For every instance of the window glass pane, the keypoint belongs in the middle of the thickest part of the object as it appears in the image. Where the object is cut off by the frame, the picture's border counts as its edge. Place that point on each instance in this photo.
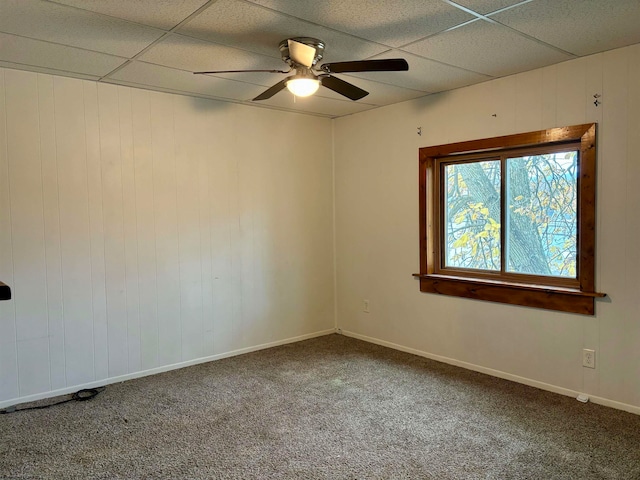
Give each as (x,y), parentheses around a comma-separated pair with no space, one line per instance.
(541,231)
(472,215)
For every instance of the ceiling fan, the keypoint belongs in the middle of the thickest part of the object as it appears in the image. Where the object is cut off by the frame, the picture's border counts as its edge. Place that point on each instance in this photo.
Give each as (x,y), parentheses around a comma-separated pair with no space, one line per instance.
(302,54)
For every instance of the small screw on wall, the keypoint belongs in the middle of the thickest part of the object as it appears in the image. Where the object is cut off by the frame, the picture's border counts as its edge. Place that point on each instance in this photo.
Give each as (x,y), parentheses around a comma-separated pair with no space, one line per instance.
(597,102)
(419,131)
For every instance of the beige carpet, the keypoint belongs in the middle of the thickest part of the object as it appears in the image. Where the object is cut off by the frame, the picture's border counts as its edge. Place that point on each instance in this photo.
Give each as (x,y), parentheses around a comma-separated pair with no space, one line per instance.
(327,408)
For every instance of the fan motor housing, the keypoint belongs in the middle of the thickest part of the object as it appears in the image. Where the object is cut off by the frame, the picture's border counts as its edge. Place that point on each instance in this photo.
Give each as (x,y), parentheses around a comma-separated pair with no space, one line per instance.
(312,42)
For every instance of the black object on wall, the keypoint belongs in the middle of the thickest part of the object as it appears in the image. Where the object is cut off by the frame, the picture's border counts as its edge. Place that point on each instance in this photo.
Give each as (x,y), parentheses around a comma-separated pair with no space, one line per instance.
(5,292)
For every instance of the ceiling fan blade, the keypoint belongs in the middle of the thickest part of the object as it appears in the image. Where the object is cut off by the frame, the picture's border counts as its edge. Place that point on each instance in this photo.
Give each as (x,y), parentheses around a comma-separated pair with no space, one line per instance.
(241,71)
(384,65)
(343,88)
(270,92)
(301,54)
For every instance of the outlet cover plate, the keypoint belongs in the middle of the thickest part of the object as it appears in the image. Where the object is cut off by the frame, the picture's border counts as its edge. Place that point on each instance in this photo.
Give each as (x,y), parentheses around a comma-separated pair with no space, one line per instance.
(589,358)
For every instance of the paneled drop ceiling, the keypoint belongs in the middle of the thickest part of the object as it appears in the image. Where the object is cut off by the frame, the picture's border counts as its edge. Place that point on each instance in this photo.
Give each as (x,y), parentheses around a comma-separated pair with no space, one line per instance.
(157,44)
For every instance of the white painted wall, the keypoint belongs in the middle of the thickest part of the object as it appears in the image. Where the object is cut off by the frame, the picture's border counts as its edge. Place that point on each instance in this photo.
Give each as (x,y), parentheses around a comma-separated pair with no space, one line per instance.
(376,157)
(140,230)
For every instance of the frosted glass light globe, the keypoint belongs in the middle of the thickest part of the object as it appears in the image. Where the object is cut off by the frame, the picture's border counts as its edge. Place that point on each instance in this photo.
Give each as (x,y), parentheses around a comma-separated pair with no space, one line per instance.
(303,87)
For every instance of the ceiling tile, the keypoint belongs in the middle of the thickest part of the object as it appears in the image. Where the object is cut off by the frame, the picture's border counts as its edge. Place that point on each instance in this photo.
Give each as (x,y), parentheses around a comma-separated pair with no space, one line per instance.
(25,51)
(390,24)
(145,74)
(487,48)
(445,45)
(379,93)
(257,29)
(191,54)
(164,14)
(423,74)
(578,26)
(77,28)
(486,6)
(316,105)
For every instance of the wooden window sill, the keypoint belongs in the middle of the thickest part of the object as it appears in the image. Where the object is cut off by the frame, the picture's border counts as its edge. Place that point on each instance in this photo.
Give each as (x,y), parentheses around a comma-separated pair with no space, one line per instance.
(538,296)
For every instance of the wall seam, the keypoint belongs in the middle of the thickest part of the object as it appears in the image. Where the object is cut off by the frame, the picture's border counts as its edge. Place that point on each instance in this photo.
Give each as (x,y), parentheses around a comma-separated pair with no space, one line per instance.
(135,214)
(64,328)
(104,257)
(124,234)
(44,233)
(13,266)
(175,164)
(148,101)
(333,220)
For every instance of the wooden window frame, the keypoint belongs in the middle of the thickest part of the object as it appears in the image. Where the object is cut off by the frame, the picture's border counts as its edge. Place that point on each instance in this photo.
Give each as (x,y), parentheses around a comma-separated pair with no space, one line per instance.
(553,293)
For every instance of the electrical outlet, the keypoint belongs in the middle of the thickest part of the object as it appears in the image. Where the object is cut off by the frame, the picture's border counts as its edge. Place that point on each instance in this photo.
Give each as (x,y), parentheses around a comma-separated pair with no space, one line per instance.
(365,306)
(589,358)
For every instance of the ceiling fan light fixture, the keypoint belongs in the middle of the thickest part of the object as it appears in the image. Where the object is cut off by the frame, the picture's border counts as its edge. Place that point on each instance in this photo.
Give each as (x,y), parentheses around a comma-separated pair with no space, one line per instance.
(303,87)
(302,55)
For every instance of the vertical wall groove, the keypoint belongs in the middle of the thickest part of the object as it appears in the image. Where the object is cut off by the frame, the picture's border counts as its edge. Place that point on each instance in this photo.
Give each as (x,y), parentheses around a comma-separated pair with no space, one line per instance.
(64,353)
(9,241)
(155,236)
(93,313)
(173,125)
(135,209)
(48,308)
(122,208)
(13,266)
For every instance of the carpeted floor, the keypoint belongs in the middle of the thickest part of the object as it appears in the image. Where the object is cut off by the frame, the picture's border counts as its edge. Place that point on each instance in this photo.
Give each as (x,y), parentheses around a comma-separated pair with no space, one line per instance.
(327,408)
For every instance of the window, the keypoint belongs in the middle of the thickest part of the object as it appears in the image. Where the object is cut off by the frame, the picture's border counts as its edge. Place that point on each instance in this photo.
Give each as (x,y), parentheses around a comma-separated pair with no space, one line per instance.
(511,219)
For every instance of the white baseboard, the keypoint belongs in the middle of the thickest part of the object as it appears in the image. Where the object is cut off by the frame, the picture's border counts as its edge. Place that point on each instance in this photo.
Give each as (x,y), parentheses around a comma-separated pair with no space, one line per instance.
(495,373)
(164,368)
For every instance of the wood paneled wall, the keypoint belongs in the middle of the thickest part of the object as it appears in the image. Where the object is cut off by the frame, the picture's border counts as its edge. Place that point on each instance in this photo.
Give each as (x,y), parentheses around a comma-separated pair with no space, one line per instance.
(140,230)
(376,156)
